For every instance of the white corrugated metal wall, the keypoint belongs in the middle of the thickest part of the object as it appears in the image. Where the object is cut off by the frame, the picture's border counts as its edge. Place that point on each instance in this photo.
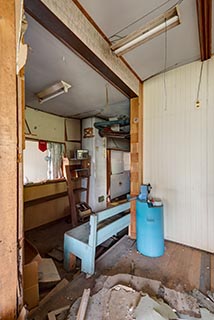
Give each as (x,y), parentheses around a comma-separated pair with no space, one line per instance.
(179,151)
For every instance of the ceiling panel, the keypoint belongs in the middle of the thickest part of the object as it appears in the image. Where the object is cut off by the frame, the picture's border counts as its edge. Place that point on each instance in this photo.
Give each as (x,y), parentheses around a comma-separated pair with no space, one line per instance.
(112,16)
(179,46)
(149,59)
(49,61)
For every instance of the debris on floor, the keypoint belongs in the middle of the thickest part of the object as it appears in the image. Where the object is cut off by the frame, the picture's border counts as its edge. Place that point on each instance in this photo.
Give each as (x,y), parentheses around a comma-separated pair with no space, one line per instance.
(57,253)
(124,296)
(23,314)
(58,314)
(47,272)
(203,301)
(182,302)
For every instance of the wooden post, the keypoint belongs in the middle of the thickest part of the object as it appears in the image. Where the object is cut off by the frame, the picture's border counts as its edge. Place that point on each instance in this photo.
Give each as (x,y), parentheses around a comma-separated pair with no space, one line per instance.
(136,122)
(8,162)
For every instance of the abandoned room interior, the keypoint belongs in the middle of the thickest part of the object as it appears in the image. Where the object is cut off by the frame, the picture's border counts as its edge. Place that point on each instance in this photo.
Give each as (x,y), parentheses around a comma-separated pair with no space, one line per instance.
(107,159)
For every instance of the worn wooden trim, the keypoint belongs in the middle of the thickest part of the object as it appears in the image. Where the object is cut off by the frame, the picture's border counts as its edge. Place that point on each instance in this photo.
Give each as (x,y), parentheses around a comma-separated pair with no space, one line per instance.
(204,12)
(8,162)
(136,154)
(91,20)
(108,173)
(55,26)
(36,184)
(45,199)
(73,211)
(130,68)
(20,195)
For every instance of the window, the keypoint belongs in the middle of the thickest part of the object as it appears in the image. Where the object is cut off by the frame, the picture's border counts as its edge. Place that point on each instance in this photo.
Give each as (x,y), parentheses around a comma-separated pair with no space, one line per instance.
(40,166)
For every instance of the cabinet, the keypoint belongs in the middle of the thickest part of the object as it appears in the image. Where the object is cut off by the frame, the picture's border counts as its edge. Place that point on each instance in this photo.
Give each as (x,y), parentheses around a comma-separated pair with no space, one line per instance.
(78,182)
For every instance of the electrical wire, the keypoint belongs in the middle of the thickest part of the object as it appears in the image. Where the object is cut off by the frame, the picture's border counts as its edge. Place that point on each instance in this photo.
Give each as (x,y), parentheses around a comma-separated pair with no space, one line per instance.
(199,81)
(144,16)
(165,65)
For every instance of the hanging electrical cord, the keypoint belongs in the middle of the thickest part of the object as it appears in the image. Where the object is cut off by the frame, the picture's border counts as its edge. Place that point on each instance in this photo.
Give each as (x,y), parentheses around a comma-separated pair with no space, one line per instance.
(165,65)
(199,85)
(144,16)
(107,95)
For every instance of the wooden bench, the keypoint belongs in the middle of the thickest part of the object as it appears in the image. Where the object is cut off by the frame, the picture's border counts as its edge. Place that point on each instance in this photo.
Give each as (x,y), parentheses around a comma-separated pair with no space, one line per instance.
(82,241)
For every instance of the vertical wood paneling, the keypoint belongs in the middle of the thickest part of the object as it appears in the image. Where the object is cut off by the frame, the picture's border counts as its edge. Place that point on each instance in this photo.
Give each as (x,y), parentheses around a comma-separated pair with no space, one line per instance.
(179,152)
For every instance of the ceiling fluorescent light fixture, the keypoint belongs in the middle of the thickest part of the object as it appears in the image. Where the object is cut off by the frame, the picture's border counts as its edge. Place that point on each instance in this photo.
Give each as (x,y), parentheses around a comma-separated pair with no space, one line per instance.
(166,21)
(53,91)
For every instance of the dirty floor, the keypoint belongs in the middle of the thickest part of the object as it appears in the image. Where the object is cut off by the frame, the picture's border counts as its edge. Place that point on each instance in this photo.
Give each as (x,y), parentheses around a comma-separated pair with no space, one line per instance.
(181,267)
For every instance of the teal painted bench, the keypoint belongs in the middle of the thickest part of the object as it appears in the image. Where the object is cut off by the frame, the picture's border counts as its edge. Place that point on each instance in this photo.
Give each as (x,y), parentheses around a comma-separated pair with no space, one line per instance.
(83,240)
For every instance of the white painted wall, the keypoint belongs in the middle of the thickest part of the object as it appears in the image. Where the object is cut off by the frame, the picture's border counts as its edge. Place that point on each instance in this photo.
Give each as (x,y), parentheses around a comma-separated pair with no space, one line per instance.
(120,173)
(97,151)
(179,152)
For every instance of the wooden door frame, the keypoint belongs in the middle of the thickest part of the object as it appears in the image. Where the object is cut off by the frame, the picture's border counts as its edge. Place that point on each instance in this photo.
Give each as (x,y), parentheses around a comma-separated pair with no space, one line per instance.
(8,162)
(136,153)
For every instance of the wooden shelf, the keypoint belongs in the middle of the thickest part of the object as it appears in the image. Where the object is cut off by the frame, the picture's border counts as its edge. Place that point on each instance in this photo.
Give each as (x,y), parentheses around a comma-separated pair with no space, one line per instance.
(77,172)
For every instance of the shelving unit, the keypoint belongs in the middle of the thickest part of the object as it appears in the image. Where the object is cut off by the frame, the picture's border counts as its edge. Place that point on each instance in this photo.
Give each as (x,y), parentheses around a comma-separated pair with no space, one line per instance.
(78,182)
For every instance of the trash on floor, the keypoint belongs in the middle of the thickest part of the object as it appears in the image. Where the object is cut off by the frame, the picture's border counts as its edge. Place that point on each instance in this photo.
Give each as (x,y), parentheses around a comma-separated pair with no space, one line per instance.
(57,253)
(48,273)
(30,271)
(125,296)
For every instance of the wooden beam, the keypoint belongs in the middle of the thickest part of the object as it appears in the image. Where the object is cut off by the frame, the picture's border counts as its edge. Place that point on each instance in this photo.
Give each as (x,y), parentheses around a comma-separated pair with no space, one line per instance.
(136,147)
(8,162)
(48,20)
(204,12)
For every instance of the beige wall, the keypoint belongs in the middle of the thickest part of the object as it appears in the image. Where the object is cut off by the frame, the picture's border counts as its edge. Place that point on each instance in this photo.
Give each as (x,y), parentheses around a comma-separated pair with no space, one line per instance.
(179,151)
(48,127)
(44,211)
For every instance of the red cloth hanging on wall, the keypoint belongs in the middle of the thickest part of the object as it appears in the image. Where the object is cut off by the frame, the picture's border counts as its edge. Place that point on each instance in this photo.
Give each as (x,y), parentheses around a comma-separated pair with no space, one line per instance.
(42,145)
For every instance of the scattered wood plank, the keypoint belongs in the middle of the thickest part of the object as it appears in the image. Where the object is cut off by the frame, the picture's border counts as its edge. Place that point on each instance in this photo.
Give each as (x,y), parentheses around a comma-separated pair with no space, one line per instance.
(23,314)
(205,275)
(53,314)
(210,295)
(61,285)
(83,304)
(56,289)
(212,273)
(72,261)
(203,300)
(57,254)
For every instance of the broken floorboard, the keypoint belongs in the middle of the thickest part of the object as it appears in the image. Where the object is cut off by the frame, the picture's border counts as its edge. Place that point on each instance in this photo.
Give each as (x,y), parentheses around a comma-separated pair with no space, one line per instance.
(179,268)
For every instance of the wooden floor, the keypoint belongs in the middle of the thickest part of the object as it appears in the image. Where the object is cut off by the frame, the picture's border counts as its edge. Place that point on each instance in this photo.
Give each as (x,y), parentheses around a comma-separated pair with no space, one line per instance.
(181,268)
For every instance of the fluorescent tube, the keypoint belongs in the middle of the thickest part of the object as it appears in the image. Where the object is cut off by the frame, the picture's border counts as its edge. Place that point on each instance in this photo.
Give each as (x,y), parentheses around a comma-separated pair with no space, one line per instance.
(165,22)
(53,91)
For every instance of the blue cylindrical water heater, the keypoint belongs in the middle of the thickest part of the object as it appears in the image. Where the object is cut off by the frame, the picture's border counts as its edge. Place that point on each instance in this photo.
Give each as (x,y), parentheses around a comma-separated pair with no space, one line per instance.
(149,229)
